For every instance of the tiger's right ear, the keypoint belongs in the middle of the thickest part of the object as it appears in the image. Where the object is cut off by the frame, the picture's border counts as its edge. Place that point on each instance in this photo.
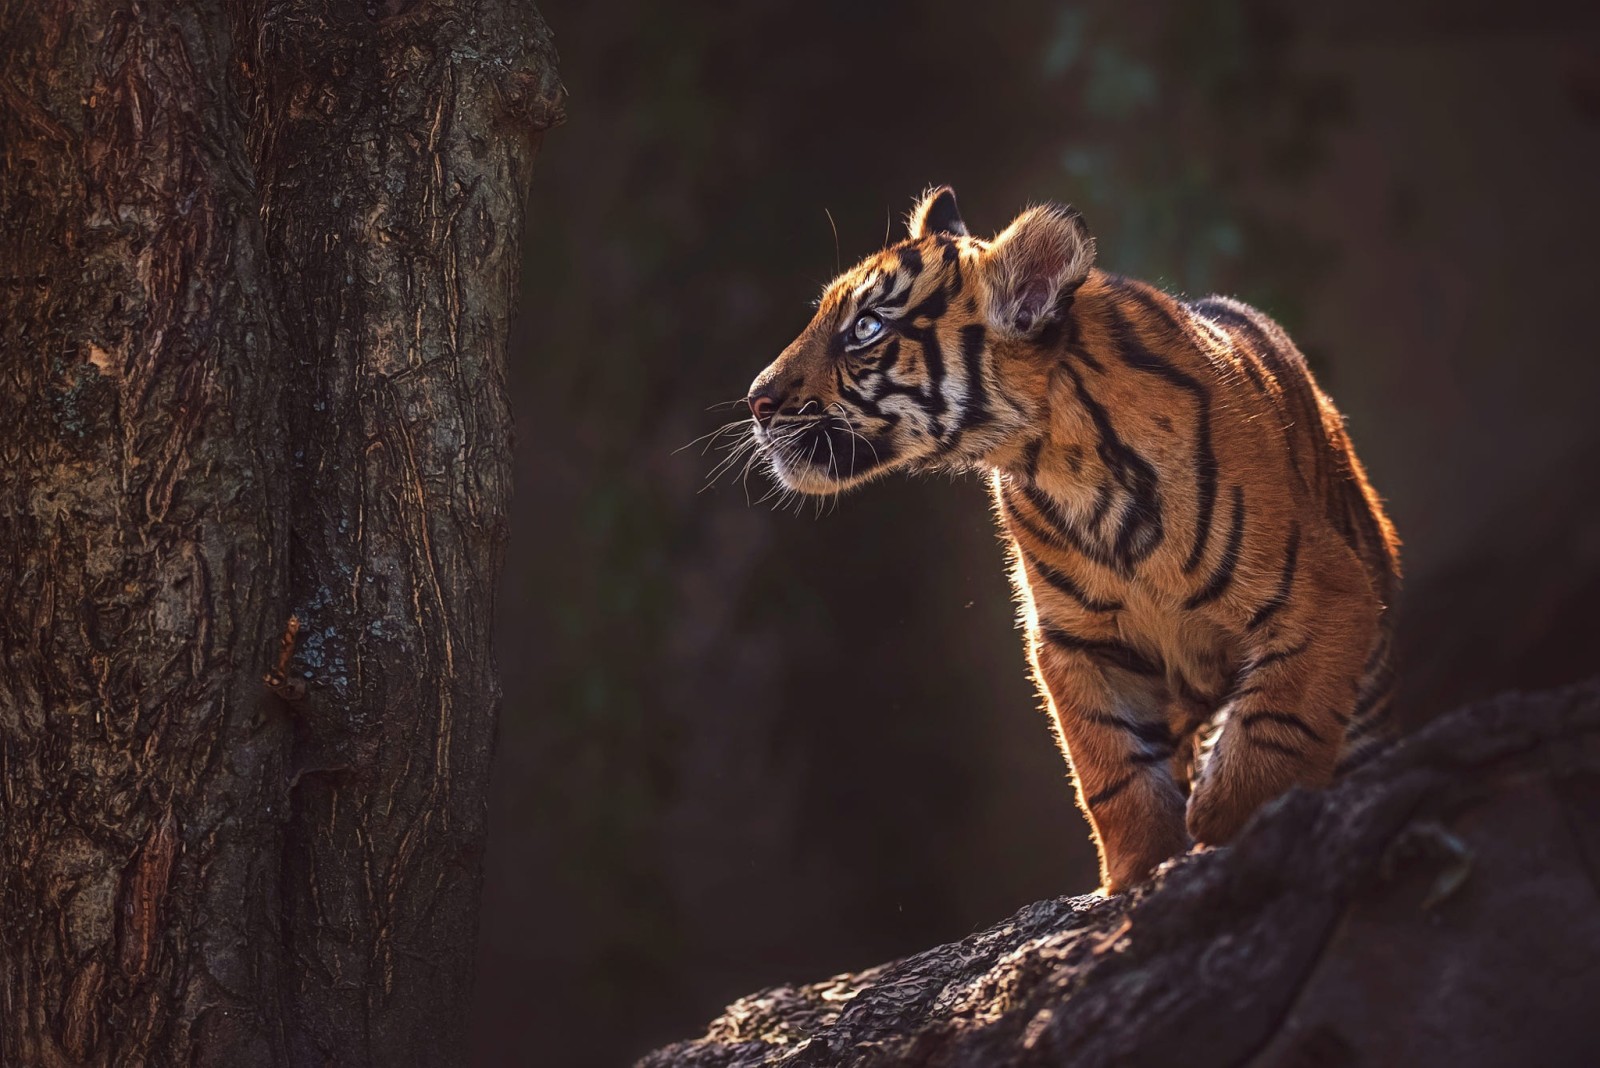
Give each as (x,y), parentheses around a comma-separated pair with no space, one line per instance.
(936,213)
(1044,253)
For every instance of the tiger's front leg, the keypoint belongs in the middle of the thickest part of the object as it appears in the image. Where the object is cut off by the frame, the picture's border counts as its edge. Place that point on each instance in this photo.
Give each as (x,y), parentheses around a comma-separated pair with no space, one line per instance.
(1286,720)
(1109,713)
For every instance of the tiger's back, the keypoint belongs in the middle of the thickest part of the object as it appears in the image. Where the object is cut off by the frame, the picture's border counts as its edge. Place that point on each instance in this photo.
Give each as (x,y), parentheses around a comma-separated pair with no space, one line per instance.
(1277,370)
(1326,465)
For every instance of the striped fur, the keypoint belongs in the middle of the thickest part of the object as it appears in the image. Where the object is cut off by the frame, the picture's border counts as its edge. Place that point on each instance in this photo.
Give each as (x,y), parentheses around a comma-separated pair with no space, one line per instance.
(1202,566)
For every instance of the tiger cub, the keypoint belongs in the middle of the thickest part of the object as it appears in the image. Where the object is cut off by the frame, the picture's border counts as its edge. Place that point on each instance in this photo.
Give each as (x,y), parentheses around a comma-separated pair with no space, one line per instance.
(1202,566)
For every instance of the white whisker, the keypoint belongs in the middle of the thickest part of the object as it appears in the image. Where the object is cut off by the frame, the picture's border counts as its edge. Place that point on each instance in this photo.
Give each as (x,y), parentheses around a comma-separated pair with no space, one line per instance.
(833,469)
(711,438)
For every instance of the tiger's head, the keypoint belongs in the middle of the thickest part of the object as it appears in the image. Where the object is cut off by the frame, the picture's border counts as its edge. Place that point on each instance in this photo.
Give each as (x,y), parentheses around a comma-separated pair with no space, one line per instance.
(912,359)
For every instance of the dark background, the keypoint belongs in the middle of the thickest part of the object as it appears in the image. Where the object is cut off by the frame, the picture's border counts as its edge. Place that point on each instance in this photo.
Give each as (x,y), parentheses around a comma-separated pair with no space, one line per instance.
(741,747)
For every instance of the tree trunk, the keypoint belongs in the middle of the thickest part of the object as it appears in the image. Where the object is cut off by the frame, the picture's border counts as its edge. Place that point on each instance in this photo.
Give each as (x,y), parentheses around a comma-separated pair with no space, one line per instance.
(257,268)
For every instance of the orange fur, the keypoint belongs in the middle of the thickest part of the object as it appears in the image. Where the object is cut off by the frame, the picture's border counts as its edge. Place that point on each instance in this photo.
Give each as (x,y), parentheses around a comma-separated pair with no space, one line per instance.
(1197,551)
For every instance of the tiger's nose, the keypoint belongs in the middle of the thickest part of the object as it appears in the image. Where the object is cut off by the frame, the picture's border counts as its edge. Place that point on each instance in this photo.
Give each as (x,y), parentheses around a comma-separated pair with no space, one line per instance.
(763,405)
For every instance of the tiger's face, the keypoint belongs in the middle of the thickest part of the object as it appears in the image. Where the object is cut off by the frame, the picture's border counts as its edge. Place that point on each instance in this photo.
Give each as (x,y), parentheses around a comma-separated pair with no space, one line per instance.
(903,365)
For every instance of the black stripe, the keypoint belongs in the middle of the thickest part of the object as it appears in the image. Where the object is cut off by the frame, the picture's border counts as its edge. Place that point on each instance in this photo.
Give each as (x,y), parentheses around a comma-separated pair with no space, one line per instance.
(1298,400)
(932,308)
(1253,373)
(1079,352)
(931,393)
(1291,556)
(1284,719)
(1338,508)
(1360,518)
(866,404)
(1012,517)
(893,299)
(889,290)
(976,409)
(1136,355)
(1049,510)
(1109,792)
(1050,513)
(1223,575)
(1102,507)
(1275,746)
(1226,317)
(1279,654)
(1140,530)
(1150,733)
(891,356)
(1366,703)
(1372,720)
(1064,582)
(1291,376)
(1053,534)
(957,282)
(1111,652)
(1257,343)
(1377,677)
(1030,458)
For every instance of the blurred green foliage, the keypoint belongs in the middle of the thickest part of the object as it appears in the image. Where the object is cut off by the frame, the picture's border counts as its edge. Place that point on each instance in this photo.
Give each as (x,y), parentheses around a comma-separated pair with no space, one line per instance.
(1192,121)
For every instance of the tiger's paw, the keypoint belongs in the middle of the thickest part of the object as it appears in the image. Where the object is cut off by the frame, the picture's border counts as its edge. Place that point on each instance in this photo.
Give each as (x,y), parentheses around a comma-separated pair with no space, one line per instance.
(1214,820)
(1127,869)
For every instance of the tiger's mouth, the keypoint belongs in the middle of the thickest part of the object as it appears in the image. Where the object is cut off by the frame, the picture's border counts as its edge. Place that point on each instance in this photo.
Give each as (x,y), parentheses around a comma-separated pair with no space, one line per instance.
(822,453)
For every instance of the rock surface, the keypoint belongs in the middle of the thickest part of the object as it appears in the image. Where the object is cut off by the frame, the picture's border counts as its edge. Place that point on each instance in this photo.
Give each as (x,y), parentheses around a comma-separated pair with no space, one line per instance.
(1441,906)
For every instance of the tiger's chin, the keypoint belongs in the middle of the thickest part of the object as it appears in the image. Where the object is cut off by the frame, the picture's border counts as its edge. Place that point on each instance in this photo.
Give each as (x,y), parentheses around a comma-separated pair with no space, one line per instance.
(804,477)
(827,457)
(822,474)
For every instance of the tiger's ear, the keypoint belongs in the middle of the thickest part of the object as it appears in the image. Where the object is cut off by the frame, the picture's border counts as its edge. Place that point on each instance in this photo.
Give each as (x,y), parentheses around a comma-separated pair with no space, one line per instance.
(1045,253)
(936,213)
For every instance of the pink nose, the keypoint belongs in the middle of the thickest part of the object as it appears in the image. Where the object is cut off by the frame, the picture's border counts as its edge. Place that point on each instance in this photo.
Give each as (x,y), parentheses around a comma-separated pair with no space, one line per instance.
(763,406)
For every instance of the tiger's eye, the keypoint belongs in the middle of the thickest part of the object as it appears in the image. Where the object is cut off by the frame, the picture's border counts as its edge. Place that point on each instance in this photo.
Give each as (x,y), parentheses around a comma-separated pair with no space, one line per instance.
(868,326)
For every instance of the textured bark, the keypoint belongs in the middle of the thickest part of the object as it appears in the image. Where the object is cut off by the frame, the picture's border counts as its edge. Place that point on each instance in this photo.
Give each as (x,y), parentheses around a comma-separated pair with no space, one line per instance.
(1439,907)
(257,265)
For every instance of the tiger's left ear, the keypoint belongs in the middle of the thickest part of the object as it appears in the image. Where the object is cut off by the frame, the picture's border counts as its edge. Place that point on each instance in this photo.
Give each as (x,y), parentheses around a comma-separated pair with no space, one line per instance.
(1045,253)
(936,213)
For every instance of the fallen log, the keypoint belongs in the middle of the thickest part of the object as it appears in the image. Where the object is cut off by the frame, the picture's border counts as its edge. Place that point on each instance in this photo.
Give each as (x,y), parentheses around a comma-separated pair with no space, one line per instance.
(1440,906)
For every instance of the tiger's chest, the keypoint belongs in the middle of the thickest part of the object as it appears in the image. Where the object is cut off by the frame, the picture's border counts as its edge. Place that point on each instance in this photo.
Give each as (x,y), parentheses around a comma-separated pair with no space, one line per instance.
(1199,658)
(1195,657)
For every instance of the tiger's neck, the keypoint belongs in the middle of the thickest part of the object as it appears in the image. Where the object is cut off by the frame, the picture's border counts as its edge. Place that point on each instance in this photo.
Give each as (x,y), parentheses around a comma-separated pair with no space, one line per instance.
(1115,382)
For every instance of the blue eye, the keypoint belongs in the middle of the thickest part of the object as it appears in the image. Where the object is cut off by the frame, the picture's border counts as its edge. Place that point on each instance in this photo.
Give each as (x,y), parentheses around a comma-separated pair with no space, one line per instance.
(867,327)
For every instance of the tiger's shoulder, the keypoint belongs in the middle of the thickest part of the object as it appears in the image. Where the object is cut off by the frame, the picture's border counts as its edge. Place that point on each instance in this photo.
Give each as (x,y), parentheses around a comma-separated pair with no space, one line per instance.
(1232,374)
